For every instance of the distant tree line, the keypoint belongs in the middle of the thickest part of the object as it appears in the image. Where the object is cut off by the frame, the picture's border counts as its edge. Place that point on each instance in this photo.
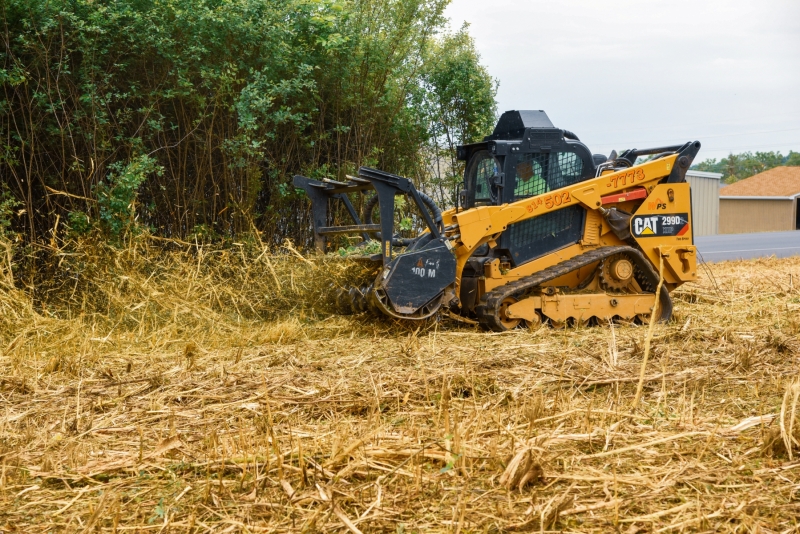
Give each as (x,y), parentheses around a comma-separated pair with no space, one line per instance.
(739,166)
(188,118)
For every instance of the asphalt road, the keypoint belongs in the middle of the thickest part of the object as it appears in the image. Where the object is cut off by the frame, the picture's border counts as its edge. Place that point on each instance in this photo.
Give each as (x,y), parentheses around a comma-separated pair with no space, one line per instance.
(744,246)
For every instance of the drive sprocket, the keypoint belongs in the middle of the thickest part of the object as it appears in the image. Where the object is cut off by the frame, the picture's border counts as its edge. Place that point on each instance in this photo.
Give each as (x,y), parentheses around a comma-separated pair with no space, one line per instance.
(616,272)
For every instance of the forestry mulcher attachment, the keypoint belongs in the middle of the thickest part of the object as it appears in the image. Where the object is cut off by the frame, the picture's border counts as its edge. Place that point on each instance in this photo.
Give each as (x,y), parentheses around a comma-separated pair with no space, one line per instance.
(542,231)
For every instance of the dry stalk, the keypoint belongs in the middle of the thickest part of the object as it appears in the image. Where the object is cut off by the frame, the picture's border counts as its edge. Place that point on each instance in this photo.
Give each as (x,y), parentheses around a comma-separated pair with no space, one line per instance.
(789,435)
(648,339)
(193,393)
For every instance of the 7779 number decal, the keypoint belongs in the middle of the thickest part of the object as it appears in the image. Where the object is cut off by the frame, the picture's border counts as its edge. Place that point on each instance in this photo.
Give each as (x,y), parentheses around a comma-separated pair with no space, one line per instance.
(627,178)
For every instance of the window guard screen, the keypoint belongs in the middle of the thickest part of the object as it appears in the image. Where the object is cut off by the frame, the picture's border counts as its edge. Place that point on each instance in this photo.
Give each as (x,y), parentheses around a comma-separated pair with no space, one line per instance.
(536,174)
(541,172)
(550,231)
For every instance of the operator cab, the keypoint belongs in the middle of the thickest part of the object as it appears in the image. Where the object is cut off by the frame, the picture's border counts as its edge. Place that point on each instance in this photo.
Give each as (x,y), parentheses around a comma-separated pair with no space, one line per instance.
(526,156)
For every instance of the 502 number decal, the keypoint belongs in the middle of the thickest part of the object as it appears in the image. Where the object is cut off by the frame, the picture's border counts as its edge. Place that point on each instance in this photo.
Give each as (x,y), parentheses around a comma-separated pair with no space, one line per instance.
(626,179)
(557,199)
(550,201)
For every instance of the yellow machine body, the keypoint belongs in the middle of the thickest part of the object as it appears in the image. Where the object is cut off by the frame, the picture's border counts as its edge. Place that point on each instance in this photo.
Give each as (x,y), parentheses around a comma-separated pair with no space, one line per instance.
(660,225)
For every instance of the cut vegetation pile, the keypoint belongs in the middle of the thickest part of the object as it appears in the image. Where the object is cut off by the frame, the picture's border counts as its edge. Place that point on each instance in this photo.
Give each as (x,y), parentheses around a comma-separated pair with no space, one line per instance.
(211,389)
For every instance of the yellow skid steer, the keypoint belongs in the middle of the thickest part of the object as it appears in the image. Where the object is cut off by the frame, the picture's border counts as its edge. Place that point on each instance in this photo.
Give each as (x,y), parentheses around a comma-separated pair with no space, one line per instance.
(542,230)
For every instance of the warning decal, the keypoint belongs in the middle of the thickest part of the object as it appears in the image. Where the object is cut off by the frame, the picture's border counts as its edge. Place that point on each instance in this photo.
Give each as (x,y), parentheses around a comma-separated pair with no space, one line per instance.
(671,225)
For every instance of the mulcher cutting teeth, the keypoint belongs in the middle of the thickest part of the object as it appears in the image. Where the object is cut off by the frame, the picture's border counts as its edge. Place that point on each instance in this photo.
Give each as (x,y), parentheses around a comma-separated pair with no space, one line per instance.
(352,300)
(358,299)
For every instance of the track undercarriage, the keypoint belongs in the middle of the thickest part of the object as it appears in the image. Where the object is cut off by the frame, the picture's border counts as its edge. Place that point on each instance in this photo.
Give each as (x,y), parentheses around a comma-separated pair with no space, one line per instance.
(620,285)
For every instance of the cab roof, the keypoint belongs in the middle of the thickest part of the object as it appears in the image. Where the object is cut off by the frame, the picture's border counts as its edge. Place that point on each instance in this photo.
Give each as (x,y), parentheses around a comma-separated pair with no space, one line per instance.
(512,124)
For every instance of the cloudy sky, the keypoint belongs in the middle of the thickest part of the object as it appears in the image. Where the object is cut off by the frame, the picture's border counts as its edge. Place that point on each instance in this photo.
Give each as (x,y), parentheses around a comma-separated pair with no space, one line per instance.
(634,74)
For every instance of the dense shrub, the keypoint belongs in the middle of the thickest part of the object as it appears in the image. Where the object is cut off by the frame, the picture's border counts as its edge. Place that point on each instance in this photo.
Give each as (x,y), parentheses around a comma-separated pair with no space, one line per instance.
(189,117)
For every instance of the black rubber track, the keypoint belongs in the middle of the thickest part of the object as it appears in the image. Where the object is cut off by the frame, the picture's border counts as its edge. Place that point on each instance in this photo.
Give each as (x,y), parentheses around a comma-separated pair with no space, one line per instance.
(488,311)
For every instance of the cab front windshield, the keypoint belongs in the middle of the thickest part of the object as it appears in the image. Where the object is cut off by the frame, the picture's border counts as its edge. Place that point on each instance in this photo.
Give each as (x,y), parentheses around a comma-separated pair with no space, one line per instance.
(541,172)
(530,178)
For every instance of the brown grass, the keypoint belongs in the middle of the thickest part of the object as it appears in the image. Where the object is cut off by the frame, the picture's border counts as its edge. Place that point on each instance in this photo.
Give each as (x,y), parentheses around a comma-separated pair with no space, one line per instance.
(211,391)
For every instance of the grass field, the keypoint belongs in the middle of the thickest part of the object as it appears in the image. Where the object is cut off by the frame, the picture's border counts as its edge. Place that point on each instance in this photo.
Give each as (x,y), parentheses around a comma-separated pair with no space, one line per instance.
(152,391)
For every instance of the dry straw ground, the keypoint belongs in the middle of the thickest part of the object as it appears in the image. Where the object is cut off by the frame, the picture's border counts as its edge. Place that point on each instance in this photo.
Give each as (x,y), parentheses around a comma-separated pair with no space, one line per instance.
(209,390)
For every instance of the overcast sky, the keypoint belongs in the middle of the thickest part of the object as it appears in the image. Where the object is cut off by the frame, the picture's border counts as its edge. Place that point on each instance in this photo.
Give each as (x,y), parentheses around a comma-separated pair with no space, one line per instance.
(635,74)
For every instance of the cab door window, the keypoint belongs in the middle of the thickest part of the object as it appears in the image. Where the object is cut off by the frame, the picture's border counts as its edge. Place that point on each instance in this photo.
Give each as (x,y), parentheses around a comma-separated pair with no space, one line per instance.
(482,167)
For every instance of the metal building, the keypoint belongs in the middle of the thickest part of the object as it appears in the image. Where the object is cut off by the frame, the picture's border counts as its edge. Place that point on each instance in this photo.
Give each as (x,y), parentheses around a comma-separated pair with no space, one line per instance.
(705,201)
(766,202)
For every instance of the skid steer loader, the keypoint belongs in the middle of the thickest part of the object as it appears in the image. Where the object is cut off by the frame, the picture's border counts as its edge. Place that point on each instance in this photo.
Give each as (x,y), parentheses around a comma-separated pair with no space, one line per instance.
(542,230)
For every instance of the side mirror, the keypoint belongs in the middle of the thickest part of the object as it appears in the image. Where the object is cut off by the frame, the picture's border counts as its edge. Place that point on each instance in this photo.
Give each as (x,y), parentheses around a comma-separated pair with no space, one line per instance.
(461,197)
(495,185)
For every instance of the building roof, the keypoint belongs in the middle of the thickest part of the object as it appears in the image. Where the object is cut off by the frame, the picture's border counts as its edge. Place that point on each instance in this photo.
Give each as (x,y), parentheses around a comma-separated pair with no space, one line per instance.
(704,174)
(778,183)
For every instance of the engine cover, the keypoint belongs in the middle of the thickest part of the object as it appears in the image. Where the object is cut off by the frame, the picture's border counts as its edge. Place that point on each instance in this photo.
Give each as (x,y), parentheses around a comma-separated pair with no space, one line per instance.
(415,278)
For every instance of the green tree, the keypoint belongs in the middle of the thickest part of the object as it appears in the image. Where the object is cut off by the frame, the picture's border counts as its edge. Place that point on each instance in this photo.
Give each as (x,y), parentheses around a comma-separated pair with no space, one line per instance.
(228,99)
(793,159)
(8,205)
(116,198)
(457,100)
(736,167)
